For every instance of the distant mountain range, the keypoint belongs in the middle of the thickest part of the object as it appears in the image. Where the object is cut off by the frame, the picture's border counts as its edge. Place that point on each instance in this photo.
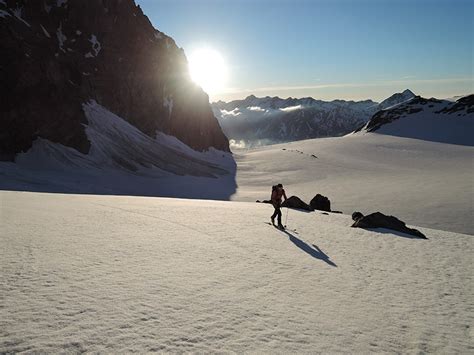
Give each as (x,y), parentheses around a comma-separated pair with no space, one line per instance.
(428,119)
(255,121)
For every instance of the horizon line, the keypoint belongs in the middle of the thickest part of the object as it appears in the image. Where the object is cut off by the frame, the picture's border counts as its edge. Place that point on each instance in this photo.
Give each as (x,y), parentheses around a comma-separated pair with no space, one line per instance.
(408,83)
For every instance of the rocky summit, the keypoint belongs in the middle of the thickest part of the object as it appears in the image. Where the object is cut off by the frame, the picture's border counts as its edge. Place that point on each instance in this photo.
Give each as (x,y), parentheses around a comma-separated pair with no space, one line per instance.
(58,55)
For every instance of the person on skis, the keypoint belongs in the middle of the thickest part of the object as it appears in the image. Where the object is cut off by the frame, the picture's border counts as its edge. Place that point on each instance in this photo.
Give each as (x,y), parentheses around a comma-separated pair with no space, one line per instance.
(277,193)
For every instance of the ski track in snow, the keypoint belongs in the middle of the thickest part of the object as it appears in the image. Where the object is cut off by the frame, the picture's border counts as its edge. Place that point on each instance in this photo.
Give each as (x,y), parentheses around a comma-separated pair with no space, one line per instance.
(134,274)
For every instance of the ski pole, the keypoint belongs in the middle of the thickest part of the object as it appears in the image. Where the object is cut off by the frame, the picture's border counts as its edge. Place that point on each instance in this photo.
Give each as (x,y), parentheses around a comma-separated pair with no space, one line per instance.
(286,219)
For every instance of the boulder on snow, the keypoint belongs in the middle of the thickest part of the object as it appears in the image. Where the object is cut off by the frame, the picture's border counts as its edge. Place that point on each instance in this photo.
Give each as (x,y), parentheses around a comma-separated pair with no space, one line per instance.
(379,220)
(296,202)
(321,203)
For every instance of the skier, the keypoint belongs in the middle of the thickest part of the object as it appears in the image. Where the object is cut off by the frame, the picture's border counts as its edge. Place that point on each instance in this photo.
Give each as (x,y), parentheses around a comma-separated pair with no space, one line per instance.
(277,193)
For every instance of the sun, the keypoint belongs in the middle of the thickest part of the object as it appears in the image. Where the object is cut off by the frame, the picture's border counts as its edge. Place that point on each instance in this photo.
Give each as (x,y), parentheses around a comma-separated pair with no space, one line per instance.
(208,69)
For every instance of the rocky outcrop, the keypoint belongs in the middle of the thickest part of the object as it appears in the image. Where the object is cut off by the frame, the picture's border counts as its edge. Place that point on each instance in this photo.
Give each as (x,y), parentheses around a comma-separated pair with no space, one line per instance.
(321,203)
(386,116)
(57,55)
(464,104)
(296,202)
(379,220)
(444,121)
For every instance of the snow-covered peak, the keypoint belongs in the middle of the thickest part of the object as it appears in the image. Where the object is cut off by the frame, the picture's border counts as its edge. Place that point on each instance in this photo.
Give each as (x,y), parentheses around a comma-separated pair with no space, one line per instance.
(427,119)
(396,99)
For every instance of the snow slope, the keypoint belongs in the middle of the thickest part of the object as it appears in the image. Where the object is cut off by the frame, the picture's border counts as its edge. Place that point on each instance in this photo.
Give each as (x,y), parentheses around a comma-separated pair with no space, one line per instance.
(423,183)
(428,119)
(134,274)
(122,160)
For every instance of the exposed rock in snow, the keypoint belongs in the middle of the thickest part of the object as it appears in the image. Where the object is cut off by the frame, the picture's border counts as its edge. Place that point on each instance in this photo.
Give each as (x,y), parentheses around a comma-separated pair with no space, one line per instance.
(429,119)
(423,183)
(379,220)
(96,47)
(296,202)
(46,33)
(61,37)
(47,7)
(4,13)
(320,202)
(17,13)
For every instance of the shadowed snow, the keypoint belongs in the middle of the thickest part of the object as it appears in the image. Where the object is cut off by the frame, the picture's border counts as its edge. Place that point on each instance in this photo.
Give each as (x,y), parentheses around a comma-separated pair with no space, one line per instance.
(121,160)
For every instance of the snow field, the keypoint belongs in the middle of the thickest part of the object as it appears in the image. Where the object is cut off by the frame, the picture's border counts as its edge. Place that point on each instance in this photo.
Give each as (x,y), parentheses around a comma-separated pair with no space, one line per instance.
(121,274)
(423,183)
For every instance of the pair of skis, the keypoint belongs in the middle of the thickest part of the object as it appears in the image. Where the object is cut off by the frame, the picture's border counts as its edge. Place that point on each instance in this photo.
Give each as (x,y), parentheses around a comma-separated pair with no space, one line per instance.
(282,228)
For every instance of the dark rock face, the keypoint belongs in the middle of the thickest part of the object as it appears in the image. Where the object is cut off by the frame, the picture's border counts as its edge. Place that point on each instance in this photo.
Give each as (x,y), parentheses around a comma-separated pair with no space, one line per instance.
(465,103)
(386,116)
(464,106)
(320,202)
(379,220)
(296,202)
(56,55)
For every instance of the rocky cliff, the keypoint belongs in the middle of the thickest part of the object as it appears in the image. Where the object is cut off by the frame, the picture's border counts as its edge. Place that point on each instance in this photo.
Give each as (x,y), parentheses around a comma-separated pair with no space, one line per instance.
(57,55)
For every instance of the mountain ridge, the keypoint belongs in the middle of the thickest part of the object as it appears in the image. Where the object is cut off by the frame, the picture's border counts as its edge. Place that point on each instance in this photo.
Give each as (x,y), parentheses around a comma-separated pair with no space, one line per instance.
(61,54)
(274,119)
(427,119)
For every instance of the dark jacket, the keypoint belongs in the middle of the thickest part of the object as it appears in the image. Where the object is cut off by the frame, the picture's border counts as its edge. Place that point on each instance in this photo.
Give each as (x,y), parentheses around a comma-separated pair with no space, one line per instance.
(277,194)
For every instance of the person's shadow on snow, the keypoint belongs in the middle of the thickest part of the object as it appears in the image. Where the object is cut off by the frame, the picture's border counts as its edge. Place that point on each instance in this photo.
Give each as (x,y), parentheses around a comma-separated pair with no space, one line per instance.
(313,250)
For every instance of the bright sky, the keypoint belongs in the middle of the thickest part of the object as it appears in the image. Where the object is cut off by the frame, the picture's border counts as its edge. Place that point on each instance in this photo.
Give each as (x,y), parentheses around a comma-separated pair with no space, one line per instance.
(327,49)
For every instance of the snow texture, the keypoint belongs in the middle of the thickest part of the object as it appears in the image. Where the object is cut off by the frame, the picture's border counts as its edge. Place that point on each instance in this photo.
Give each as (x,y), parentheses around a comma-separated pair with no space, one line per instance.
(47,7)
(17,13)
(112,274)
(4,13)
(46,33)
(96,47)
(168,102)
(61,37)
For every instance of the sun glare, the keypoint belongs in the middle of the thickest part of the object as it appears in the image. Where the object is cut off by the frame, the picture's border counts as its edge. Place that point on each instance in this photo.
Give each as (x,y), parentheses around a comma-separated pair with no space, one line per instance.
(208,70)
